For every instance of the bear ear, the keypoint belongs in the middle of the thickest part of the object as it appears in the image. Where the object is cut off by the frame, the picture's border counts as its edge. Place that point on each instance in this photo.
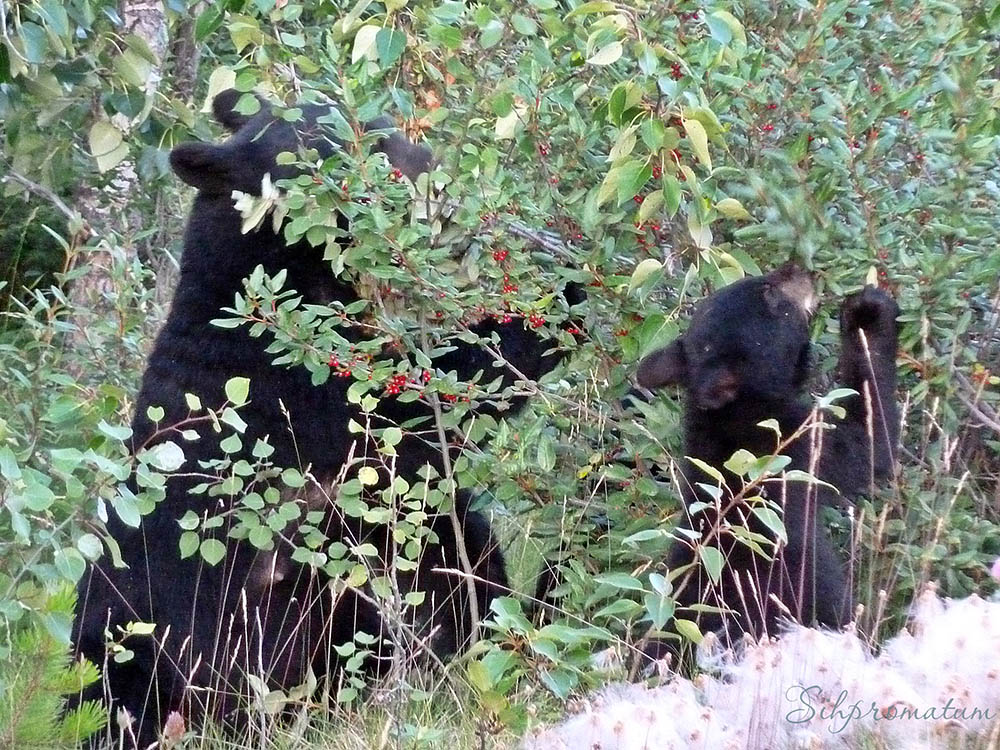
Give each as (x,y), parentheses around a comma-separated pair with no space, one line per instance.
(408,157)
(204,166)
(223,109)
(667,366)
(794,284)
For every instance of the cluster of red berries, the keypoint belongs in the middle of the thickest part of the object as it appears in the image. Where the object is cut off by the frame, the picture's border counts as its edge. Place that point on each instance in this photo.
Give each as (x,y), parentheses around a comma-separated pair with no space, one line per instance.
(657,172)
(543,149)
(768,128)
(500,255)
(772,105)
(654,228)
(675,71)
(396,384)
(535,320)
(638,198)
(508,288)
(692,16)
(345,369)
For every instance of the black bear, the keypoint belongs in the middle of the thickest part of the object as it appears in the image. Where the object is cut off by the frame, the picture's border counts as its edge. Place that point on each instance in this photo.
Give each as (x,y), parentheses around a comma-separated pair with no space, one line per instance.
(255,612)
(745,359)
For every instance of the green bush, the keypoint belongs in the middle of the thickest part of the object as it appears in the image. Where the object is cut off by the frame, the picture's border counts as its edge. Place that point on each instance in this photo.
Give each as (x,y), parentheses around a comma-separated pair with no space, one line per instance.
(649,152)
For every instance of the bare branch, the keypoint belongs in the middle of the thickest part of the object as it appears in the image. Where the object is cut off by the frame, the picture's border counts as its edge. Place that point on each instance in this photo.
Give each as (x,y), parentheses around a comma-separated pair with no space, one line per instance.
(42,192)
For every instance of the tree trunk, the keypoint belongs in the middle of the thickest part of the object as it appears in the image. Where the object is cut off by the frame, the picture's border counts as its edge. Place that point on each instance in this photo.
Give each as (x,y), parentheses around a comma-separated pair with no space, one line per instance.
(108,210)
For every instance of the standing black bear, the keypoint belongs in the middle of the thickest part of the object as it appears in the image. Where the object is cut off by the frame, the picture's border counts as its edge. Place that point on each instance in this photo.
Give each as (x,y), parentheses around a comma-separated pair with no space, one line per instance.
(745,359)
(260,612)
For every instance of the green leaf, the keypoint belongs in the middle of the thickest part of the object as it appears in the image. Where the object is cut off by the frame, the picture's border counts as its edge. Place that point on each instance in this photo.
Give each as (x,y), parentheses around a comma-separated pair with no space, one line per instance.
(650,205)
(209,20)
(367,476)
(70,564)
(699,142)
(726,29)
(633,175)
(713,562)
(9,469)
(90,546)
(643,271)
(620,581)
(602,6)
(732,209)
(607,54)
(107,145)
(189,521)
(708,469)
(491,34)
(188,544)
(262,537)
(740,462)
(390,45)
(237,390)
(37,497)
(523,25)
(772,521)
(166,456)
(35,42)
(364,43)
(546,454)
(212,551)
(689,630)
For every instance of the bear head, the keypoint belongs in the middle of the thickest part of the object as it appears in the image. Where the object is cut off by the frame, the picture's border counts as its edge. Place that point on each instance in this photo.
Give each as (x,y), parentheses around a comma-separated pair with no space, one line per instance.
(747,341)
(241,162)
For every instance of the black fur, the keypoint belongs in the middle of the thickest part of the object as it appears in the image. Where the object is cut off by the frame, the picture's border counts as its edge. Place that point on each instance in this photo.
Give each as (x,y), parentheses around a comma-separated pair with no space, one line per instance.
(205,634)
(745,359)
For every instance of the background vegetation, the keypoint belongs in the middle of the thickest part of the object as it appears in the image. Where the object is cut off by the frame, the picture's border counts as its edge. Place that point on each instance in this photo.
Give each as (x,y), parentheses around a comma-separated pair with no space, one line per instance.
(650,151)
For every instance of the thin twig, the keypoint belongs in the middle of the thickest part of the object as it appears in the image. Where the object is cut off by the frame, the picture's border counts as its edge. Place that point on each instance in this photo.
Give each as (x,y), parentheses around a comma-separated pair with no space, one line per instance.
(42,192)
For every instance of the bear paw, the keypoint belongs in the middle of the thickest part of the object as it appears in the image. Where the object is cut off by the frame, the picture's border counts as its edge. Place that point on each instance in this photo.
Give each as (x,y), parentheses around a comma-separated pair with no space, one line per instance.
(871,310)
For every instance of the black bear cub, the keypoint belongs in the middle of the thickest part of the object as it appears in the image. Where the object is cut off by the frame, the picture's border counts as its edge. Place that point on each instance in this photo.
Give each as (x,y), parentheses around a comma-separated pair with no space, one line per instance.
(260,613)
(743,360)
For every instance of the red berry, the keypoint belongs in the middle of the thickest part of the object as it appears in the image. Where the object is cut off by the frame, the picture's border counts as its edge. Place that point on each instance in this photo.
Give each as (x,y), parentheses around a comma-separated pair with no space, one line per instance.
(500,256)
(768,128)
